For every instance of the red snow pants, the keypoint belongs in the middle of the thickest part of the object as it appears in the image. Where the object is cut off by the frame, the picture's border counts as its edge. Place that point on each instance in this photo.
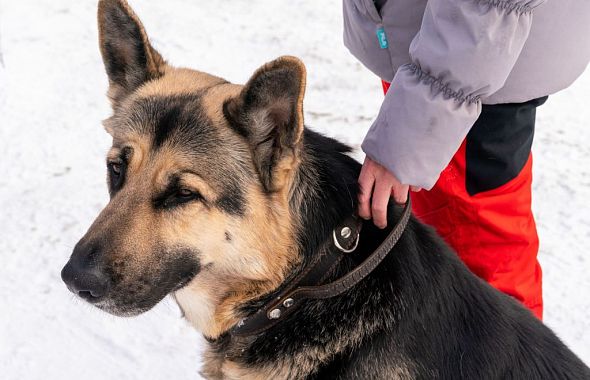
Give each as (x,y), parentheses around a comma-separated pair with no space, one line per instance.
(481,204)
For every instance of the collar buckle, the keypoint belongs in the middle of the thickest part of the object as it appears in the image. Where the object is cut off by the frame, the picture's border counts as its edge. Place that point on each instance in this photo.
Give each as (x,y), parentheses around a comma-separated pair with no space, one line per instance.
(345,234)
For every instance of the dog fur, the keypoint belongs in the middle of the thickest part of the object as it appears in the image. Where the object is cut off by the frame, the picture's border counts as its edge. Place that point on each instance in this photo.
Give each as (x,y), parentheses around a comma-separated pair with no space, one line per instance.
(220,195)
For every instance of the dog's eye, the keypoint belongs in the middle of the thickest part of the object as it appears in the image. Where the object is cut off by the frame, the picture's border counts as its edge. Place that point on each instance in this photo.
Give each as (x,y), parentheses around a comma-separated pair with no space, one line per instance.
(115,168)
(176,196)
(186,195)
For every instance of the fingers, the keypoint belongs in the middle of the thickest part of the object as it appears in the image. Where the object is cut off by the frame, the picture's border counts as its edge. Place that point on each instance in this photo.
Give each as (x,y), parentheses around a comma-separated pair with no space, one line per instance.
(400,193)
(415,188)
(381,195)
(376,187)
(366,181)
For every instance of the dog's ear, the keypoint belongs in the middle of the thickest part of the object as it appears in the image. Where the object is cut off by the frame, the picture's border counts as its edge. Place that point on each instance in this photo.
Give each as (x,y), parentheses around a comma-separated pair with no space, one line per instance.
(128,57)
(269,114)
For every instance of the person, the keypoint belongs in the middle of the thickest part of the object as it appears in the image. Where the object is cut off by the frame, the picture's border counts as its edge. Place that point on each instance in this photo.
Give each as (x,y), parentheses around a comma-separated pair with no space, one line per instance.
(458,120)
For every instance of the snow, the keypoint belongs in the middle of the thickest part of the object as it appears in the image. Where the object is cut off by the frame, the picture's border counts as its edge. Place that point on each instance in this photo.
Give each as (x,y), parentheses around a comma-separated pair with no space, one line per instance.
(52,171)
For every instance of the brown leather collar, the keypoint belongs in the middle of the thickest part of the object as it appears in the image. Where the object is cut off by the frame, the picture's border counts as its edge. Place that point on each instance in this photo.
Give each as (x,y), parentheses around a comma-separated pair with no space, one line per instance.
(309,284)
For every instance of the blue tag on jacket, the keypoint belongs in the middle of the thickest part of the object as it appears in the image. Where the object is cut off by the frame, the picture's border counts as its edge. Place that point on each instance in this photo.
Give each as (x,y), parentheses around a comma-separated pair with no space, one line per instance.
(382,38)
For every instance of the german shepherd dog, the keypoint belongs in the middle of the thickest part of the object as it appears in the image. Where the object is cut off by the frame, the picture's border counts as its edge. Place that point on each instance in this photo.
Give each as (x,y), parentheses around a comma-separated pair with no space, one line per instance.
(220,196)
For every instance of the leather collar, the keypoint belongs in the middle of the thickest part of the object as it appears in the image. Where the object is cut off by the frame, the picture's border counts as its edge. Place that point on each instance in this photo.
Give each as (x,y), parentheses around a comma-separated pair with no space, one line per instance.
(310,283)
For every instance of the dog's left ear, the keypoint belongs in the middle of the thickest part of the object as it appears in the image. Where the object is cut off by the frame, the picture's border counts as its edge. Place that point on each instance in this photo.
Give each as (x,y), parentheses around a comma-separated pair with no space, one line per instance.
(129,58)
(269,114)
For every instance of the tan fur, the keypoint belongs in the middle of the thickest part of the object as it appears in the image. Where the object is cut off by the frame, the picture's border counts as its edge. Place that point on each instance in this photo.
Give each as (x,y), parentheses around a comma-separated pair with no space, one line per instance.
(241,256)
(179,81)
(265,271)
(302,84)
(255,262)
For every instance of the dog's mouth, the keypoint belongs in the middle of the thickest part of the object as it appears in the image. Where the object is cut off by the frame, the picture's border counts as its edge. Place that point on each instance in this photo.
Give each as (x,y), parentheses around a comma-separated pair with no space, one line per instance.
(124,302)
(123,294)
(123,309)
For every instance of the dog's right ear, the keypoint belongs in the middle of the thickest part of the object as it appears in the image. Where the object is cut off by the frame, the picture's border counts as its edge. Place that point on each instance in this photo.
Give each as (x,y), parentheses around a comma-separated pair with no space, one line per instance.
(128,57)
(269,114)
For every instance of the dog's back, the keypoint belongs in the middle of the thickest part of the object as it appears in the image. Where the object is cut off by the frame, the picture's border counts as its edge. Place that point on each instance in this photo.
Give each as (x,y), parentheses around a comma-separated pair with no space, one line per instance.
(421,314)
(447,323)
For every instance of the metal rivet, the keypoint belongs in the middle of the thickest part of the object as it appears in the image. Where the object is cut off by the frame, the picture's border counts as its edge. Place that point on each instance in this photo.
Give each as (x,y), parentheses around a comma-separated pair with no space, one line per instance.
(288,302)
(274,314)
(345,232)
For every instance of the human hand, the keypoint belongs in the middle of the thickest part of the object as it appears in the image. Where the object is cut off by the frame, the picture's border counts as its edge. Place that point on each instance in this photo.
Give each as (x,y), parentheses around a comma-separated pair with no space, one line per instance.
(376,186)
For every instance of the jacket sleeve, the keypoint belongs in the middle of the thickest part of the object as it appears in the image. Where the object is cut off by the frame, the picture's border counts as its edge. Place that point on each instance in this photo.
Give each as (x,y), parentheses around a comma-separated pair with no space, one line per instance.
(464,51)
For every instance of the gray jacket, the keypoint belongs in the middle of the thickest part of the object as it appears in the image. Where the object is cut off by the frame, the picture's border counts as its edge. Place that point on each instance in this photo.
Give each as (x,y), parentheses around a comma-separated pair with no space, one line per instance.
(447,57)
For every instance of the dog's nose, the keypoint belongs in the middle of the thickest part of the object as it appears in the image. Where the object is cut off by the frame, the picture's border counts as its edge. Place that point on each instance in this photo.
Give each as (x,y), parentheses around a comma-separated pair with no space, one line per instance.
(82,276)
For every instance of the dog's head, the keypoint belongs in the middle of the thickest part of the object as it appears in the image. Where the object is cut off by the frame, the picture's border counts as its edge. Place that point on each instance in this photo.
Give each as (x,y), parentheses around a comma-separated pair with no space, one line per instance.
(199,175)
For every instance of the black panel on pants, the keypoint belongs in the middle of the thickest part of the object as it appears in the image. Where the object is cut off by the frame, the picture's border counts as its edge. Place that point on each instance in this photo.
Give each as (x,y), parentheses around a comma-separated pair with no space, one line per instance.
(499,144)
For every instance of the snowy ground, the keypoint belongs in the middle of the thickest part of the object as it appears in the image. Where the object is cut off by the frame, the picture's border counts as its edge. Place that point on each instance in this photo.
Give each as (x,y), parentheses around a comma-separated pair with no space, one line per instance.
(52,183)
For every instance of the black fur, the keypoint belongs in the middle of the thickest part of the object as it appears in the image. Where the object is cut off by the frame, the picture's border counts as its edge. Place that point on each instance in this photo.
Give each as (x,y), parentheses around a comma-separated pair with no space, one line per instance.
(232,200)
(177,120)
(180,121)
(124,49)
(168,122)
(174,269)
(420,314)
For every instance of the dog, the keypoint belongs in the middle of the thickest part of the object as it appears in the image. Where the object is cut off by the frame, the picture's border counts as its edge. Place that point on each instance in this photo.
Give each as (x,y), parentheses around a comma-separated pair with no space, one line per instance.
(220,197)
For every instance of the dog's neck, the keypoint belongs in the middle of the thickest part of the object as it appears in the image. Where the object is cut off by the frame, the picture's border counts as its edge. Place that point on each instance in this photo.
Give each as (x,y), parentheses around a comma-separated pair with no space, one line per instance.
(324,193)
